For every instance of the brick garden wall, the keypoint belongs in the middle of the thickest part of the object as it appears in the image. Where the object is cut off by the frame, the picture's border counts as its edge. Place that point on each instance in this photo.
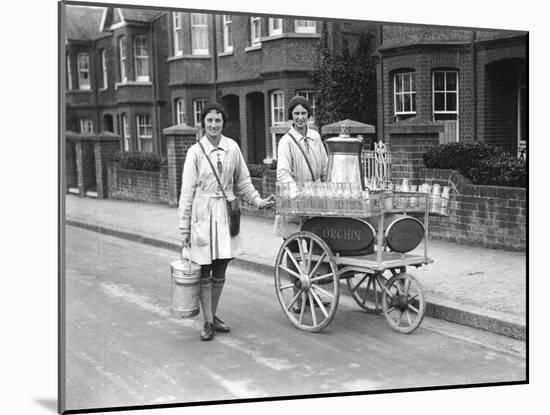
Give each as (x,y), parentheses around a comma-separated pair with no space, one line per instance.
(489,216)
(136,185)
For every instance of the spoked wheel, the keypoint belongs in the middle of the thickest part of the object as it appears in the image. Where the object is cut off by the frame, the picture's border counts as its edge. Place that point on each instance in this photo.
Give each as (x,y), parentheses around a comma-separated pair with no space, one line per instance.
(306,281)
(403,303)
(366,290)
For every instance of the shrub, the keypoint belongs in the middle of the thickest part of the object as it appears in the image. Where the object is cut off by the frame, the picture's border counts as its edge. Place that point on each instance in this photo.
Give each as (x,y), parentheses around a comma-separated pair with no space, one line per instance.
(256,170)
(481,163)
(500,172)
(135,160)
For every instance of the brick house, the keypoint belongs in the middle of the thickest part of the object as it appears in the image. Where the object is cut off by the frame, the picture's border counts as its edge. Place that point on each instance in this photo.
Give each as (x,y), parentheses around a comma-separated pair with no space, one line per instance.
(457,85)
(137,71)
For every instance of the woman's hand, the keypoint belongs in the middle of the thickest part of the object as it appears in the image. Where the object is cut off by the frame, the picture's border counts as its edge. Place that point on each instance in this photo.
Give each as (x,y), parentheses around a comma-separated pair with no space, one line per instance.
(267,202)
(185,239)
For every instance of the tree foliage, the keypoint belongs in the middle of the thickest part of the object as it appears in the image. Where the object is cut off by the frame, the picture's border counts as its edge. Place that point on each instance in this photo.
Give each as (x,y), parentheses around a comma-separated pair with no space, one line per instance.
(347,83)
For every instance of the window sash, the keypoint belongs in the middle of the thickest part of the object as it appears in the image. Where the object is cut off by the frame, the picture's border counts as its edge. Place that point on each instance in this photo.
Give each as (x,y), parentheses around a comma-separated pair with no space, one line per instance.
(277,107)
(405,93)
(180,111)
(141,58)
(83,67)
(122,48)
(104,68)
(305,26)
(177,34)
(126,132)
(227,35)
(255,30)
(144,132)
(445,92)
(86,125)
(69,74)
(199,34)
(198,105)
(275,26)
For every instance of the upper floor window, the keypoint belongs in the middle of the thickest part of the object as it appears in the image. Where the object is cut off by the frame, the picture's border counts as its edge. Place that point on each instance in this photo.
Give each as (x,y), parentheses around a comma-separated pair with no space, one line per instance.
(178,50)
(227,36)
(180,111)
(104,80)
(404,93)
(83,62)
(86,125)
(311,96)
(126,132)
(198,105)
(199,34)
(69,74)
(304,26)
(141,58)
(275,26)
(144,133)
(277,107)
(122,53)
(445,92)
(255,30)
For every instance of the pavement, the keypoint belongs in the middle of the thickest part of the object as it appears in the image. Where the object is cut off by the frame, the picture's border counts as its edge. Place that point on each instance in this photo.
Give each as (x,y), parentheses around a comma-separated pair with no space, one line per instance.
(473,286)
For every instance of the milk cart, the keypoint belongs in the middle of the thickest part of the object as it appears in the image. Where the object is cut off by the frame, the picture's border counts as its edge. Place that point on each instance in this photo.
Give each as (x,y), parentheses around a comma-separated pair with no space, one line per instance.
(367,243)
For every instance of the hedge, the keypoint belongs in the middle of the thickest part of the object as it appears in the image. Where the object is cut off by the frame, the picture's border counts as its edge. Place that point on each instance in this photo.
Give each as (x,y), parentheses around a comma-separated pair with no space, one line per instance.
(136,160)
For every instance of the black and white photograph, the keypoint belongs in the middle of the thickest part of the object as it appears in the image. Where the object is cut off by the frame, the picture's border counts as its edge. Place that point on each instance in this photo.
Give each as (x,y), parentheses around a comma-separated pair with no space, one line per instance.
(289,209)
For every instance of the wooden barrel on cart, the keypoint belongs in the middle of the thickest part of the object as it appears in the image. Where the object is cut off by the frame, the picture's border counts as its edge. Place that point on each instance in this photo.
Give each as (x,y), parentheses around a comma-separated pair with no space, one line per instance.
(344,236)
(186,277)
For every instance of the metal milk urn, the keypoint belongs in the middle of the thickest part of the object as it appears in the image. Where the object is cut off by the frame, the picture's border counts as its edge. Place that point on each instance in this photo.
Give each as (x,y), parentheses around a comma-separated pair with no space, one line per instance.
(344,151)
(344,158)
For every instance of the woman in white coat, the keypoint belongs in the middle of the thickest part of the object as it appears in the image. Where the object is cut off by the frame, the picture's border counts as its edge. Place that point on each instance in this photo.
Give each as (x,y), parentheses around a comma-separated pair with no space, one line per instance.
(203,218)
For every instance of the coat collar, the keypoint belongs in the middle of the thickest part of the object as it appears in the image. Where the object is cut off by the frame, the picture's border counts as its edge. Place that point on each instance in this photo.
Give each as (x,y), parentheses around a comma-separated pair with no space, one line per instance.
(208,147)
(299,136)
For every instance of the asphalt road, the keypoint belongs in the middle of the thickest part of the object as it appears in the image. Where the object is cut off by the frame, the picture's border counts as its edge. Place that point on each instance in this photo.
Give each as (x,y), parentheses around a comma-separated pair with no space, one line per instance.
(123,347)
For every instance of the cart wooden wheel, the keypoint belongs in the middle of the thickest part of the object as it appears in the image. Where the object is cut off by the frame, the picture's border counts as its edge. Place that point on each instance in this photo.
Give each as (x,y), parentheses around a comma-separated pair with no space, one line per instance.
(403,303)
(306,275)
(366,290)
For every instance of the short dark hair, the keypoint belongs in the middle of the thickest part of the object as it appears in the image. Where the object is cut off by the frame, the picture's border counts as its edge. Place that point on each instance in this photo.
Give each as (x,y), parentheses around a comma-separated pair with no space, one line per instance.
(298,100)
(213,106)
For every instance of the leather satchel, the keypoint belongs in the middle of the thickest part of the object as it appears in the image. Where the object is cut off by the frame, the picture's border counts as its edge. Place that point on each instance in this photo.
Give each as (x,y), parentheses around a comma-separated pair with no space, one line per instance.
(233,209)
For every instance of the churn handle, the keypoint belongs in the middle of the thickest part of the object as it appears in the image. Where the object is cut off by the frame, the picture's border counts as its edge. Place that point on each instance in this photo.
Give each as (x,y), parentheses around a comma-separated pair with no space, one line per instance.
(188,255)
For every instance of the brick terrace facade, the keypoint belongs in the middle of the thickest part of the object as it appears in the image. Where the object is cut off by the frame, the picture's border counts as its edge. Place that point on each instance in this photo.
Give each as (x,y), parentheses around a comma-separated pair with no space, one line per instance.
(485,89)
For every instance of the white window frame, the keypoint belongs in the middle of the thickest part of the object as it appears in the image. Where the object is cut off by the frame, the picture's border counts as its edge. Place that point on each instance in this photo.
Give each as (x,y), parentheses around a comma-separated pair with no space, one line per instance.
(180,111)
(278,115)
(198,25)
(69,74)
(227,33)
(84,82)
(141,55)
(141,122)
(126,132)
(305,26)
(86,126)
(255,30)
(104,69)
(410,94)
(311,96)
(122,59)
(273,29)
(177,34)
(198,105)
(444,91)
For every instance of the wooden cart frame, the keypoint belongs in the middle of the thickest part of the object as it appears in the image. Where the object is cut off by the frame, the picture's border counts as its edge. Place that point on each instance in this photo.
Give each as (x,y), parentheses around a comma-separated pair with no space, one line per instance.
(308,275)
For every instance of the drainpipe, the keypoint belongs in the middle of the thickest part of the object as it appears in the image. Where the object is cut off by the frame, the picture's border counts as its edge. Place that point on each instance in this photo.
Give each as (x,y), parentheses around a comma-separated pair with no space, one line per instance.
(474,85)
(381,74)
(93,64)
(215,56)
(155,80)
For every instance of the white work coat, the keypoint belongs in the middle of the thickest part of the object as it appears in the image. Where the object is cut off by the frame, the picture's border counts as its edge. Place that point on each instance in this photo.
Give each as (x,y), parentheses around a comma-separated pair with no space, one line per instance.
(292,167)
(202,208)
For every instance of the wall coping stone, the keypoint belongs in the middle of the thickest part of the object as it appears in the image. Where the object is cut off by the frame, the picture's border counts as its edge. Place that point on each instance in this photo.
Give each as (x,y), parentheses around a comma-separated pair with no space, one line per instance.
(180,129)
(104,136)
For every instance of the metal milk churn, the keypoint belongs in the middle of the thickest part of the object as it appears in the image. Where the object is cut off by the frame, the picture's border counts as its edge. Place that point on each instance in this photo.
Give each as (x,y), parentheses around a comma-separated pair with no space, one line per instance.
(344,158)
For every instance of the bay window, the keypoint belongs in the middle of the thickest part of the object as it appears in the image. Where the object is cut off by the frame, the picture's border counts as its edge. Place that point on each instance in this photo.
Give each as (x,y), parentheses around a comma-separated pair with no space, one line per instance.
(141,59)
(199,33)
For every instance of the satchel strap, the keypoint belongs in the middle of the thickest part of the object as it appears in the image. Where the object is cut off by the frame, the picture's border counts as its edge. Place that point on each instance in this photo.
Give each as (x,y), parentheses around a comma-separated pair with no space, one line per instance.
(304,153)
(213,170)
